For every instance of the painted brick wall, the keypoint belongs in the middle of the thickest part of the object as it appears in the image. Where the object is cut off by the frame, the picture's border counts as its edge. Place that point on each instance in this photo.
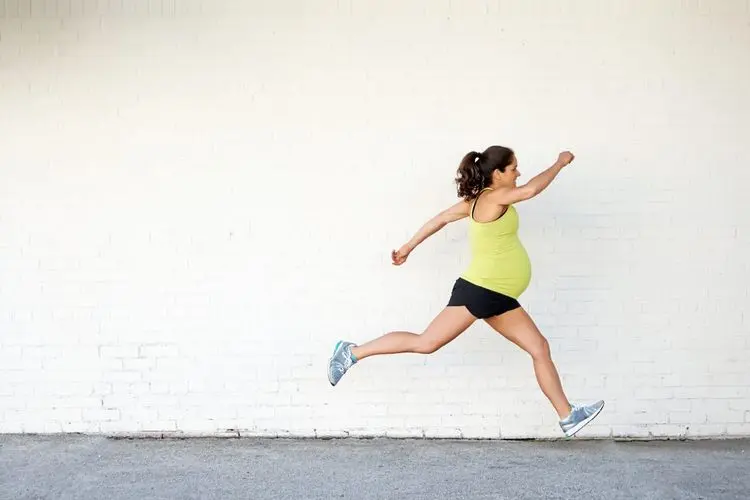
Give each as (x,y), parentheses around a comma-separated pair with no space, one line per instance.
(198,198)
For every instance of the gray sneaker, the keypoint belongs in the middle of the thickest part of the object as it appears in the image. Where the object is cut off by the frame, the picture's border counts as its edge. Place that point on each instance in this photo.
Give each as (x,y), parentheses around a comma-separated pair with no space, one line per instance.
(579,417)
(340,362)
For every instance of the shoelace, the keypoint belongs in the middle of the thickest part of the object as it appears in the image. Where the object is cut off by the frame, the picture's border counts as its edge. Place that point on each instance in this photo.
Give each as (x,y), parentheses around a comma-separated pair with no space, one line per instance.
(347,357)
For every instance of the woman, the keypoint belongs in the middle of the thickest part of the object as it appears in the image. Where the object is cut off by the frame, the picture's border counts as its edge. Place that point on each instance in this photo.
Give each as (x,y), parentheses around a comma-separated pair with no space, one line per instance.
(497,275)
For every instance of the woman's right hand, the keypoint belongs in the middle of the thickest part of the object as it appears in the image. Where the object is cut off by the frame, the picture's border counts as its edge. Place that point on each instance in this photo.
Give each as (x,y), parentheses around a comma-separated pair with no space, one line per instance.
(565,158)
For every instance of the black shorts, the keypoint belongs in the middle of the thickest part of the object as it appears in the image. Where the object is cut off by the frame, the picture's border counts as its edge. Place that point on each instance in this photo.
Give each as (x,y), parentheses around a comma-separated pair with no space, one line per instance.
(481,302)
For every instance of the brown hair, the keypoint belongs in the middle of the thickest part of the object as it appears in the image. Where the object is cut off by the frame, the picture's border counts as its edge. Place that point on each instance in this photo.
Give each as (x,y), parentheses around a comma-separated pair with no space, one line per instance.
(475,171)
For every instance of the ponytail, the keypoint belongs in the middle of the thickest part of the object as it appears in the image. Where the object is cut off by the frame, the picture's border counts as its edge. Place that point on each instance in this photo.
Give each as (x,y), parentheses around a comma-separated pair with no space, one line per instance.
(470,179)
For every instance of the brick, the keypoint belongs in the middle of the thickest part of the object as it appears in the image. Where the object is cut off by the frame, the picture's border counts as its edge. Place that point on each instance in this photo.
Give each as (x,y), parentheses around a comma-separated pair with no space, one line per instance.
(738,430)
(707,430)
(173,413)
(119,351)
(72,402)
(118,427)
(402,432)
(11,427)
(56,415)
(102,388)
(22,364)
(630,431)
(118,401)
(668,430)
(111,364)
(157,425)
(133,388)
(100,414)
(159,388)
(658,393)
(122,376)
(739,404)
(422,421)
(79,427)
(481,432)
(442,433)
(648,418)
(138,364)
(159,351)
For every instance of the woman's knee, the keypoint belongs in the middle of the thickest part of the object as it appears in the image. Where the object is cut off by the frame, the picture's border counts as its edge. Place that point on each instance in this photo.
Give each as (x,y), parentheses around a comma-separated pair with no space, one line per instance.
(539,350)
(424,345)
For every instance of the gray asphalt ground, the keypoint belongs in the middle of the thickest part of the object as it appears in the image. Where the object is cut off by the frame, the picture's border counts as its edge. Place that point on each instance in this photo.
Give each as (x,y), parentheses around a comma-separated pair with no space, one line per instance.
(85,467)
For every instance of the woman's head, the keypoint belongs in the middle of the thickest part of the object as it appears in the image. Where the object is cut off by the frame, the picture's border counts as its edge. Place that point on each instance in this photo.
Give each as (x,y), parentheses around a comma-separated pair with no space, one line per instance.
(496,166)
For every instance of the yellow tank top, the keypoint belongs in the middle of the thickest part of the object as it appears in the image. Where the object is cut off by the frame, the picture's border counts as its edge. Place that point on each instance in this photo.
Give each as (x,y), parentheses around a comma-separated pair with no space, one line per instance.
(499,261)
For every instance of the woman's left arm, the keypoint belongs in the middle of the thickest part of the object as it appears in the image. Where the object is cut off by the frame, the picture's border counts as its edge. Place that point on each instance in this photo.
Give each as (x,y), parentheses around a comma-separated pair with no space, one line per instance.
(432,226)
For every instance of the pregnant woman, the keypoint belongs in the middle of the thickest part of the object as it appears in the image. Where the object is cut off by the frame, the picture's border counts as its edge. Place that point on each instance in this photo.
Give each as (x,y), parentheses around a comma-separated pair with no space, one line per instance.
(497,275)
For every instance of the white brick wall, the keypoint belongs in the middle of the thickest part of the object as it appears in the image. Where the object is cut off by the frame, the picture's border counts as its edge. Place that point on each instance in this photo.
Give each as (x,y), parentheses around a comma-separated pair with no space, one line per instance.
(198,199)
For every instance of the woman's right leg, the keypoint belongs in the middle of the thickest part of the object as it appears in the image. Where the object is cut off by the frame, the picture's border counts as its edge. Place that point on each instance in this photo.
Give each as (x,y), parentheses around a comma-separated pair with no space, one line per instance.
(446,326)
(518,327)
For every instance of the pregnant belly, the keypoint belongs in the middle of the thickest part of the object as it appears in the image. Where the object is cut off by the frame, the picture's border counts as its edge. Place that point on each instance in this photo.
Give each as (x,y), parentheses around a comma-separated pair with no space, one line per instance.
(508,273)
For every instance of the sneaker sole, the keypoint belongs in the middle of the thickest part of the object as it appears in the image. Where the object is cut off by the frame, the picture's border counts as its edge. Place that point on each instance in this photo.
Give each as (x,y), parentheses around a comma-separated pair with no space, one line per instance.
(572,432)
(335,352)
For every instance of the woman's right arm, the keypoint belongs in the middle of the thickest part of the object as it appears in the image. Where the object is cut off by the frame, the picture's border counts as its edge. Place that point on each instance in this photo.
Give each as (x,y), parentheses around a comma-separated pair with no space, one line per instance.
(535,186)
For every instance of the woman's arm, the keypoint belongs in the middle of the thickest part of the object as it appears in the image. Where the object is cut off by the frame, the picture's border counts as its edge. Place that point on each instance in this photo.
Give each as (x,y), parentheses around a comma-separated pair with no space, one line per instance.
(432,226)
(536,185)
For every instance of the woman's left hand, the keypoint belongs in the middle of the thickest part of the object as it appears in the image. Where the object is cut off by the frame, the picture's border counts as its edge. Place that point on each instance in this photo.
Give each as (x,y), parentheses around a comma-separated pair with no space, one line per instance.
(399,256)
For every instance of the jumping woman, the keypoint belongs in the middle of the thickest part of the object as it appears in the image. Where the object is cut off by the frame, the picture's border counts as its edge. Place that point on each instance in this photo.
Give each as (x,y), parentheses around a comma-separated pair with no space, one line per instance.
(498,273)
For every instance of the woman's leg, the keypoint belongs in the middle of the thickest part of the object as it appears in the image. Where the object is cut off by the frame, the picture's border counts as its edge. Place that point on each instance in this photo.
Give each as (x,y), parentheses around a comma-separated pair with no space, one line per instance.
(446,326)
(518,327)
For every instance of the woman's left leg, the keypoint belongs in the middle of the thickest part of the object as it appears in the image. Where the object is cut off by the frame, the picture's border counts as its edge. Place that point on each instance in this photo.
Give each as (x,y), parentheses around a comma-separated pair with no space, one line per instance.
(518,327)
